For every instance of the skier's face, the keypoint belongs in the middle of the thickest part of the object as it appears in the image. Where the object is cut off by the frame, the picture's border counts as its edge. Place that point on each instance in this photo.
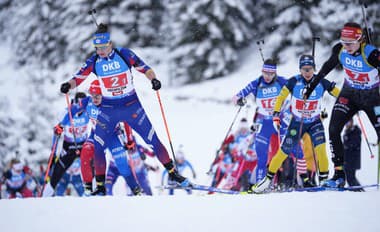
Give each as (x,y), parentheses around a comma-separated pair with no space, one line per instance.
(351,45)
(17,167)
(307,72)
(268,76)
(96,99)
(104,51)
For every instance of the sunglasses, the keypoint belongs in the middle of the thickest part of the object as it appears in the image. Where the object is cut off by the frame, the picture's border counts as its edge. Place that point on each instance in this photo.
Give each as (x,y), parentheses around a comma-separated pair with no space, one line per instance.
(101,48)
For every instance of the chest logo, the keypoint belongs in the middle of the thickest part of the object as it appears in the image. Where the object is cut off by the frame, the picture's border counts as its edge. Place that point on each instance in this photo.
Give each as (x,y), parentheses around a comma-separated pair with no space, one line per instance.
(354,62)
(111,66)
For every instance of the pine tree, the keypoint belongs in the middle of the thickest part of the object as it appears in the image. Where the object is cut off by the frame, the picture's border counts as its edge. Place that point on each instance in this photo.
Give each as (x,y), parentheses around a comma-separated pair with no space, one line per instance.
(138,23)
(294,22)
(205,37)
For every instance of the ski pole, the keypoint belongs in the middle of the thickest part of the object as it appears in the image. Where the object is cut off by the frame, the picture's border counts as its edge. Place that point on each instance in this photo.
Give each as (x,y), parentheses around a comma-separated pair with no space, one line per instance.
(228,132)
(259,42)
(315,38)
(166,125)
(72,123)
(367,29)
(92,12)
(365,134)
(51,157)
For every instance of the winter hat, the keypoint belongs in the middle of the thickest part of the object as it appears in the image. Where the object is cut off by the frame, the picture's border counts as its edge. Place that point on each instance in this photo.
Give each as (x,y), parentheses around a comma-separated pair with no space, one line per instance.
(307,60)
(269,66)
(95,88)
(351,31)
(102,37)
(79,95)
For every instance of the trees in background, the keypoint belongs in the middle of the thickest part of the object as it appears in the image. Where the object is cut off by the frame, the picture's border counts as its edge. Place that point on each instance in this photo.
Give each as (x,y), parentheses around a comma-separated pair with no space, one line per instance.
(203,38)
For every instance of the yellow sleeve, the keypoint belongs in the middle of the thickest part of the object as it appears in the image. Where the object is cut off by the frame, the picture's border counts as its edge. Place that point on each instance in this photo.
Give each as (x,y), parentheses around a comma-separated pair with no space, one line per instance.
(335,92)
(280,99)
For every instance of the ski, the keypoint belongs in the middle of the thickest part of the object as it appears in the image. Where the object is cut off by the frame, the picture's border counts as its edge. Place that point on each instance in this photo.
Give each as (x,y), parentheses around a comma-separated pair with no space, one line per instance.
(233,192)
(326,188)
(202,188)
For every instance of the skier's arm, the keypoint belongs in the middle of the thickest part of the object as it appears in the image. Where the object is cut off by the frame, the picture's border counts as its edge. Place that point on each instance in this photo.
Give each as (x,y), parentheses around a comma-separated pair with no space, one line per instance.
(138,63)
(374,58)
(80,76)
(281,98)
(84,72)
(330,87)
(250,88)
(65,120)
(329,65)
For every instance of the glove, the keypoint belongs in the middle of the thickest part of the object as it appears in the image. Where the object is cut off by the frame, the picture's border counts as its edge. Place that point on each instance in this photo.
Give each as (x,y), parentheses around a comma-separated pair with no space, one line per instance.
(156,84)
(309,88)
(65,87)
(241,101)
(324,114)
(130,146)
(276,121)
(306,92)
(255,127)
(58,129)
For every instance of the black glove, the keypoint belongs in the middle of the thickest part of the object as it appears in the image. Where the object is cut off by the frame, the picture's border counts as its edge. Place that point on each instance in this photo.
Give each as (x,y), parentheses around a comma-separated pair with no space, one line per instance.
(324,114)
(156,84)
(65,87)
(307,91)
(253,128)
(241,101)
(309,88)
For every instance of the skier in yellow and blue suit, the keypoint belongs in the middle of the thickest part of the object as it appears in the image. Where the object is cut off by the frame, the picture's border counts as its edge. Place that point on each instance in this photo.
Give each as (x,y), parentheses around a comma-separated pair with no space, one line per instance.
(305,119)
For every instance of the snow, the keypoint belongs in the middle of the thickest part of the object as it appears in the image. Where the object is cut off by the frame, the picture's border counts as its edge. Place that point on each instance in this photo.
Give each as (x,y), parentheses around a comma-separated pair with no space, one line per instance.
(198,117)
(328,211)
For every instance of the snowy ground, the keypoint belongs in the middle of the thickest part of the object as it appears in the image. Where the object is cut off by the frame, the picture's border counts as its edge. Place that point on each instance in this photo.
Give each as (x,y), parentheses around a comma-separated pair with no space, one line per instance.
(198,117)
(328,211)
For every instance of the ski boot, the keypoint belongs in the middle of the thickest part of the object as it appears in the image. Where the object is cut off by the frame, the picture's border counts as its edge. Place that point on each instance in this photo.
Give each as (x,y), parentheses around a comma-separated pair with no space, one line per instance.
(87,189)
(337,181)
(263,185)
(323,177)
(99,191)
(175,176)
(311,176)
(137,191)
(306,181)
(100,188)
